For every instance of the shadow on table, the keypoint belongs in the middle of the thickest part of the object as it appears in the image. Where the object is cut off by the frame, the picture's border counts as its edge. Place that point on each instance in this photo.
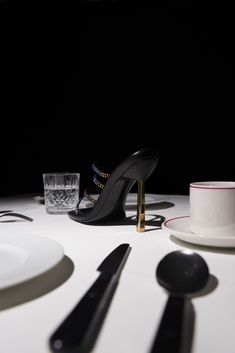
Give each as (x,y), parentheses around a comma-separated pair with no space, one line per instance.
(188,322)
(153,206)
(189,313)
(152,220)
(38,286)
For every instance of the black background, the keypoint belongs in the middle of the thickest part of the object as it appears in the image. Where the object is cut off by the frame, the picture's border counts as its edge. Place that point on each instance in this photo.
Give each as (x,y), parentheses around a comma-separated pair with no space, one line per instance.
(84,81)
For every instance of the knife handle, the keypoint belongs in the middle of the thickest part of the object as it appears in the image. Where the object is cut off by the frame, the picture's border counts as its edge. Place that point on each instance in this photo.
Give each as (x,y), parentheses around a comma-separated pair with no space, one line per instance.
(79,330)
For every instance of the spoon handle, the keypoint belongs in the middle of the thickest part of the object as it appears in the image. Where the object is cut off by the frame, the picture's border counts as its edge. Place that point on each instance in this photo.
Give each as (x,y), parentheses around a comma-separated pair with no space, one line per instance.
(171,332)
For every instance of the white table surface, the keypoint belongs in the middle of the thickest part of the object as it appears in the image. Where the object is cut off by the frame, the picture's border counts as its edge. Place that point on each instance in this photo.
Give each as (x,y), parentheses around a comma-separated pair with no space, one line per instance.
(31,311)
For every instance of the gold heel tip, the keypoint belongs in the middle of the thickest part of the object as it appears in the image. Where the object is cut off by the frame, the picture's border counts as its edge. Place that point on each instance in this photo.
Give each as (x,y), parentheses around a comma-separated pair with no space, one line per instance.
(140,229)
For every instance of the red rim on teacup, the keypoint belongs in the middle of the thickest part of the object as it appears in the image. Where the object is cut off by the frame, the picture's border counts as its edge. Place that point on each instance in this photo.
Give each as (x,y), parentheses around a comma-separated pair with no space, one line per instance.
(213,185)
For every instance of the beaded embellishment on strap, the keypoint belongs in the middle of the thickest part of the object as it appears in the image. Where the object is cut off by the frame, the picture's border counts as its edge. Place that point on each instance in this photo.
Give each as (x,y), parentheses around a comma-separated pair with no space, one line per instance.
(96,168)
(102,174)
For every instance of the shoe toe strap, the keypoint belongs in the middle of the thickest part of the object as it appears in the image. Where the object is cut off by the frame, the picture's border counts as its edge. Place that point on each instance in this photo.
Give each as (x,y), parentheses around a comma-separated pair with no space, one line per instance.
(92,194)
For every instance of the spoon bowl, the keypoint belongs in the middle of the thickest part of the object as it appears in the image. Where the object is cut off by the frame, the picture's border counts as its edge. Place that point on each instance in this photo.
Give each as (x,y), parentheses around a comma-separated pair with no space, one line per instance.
(180,273)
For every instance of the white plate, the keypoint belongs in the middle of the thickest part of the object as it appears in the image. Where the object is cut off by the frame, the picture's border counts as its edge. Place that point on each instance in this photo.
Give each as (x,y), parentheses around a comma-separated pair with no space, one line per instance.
(180,228)
(150,199)
(25,256)
(39,199)
(131,199)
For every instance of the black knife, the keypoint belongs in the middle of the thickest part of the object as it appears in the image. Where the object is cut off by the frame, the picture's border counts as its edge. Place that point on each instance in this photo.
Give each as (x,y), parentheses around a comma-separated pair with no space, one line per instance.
(78,332)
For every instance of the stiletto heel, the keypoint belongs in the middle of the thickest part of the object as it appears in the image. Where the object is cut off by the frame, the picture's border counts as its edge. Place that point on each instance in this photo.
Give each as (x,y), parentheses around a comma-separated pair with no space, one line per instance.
(140,227)
(110,206)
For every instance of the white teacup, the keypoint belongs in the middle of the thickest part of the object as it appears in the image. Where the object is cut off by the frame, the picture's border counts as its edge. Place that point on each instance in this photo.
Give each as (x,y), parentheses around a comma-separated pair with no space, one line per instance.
(212,208)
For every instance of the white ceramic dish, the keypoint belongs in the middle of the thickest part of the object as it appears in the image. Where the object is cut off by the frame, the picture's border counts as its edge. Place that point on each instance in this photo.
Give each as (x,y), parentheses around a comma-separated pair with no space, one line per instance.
(180,228)
(131,200)
(150,199)
(25,256)
(39,199)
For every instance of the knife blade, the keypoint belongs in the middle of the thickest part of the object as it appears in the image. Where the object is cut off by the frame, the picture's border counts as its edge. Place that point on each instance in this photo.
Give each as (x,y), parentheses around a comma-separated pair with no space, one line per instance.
(78,332)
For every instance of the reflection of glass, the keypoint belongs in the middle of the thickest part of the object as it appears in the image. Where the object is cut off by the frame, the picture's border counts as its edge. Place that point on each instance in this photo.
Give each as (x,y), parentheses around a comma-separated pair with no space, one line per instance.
(61,191)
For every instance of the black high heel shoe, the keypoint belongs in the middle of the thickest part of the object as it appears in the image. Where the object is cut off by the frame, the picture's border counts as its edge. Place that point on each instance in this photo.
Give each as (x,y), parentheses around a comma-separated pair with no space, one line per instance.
(110,205)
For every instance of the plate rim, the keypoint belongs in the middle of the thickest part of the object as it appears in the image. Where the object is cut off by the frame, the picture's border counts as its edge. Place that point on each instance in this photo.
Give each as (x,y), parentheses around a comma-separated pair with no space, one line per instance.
(146,202)
(194,238)
(135,195)
(33,266)
(40,199)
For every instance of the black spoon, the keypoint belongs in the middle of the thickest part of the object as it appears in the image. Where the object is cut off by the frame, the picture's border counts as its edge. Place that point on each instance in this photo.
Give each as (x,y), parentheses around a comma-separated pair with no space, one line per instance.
(181,273)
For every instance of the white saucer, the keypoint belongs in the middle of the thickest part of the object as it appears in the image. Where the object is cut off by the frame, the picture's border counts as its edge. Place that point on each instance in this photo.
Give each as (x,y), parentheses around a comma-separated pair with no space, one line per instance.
(180,228)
